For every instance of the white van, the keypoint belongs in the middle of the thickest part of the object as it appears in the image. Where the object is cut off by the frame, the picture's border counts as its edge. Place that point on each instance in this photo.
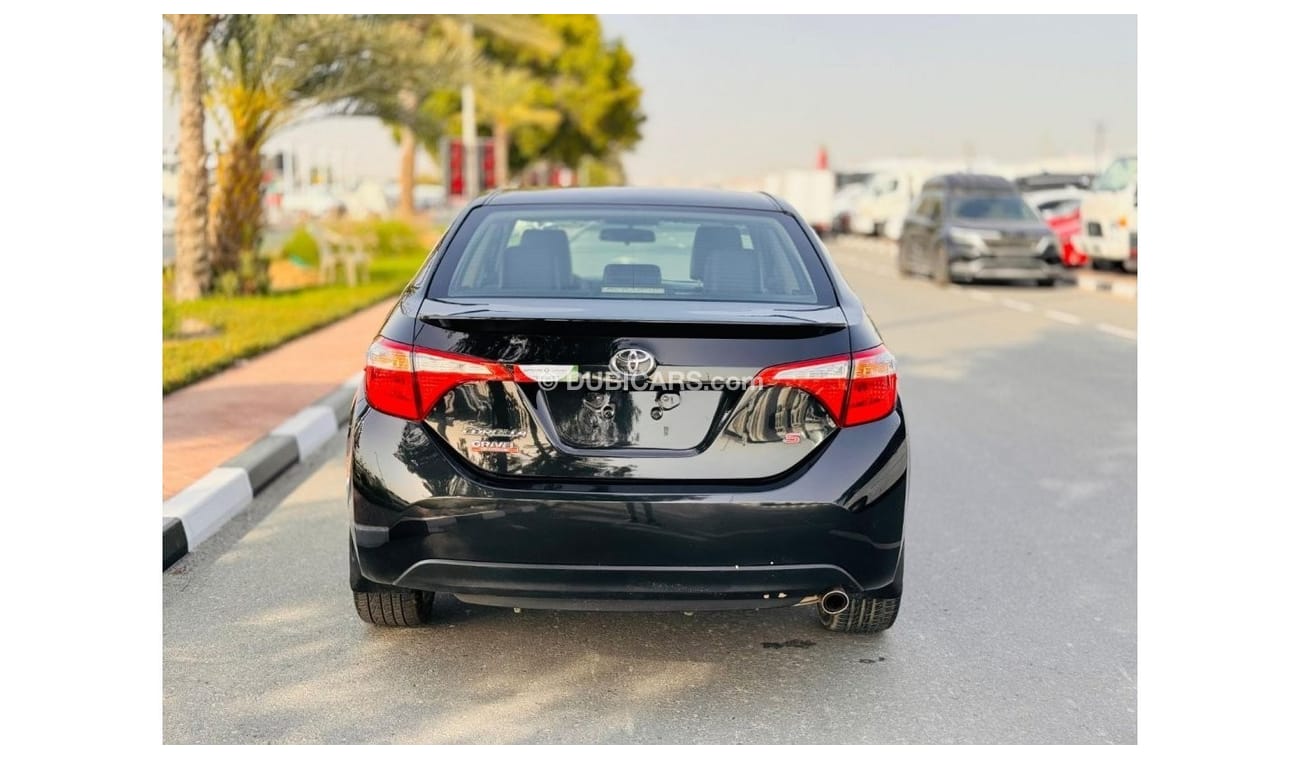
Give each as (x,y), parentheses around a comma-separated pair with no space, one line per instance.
(1108,217)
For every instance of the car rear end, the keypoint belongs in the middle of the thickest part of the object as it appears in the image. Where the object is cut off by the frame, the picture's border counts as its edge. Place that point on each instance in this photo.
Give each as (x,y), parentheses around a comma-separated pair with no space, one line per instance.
(617,405)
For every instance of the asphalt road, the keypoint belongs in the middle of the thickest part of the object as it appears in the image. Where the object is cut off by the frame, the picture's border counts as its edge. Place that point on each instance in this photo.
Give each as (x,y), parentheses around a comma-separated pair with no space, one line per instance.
(1018,622)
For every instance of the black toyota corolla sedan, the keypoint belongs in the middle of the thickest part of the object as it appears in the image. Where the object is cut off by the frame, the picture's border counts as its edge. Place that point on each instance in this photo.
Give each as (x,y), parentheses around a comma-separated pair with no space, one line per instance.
(628,399)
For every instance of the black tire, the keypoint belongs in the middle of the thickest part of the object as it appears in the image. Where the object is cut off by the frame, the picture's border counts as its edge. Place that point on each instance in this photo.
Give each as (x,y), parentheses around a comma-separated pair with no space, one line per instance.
(1047,282)
(1101,265)
(862,616)
(397,608)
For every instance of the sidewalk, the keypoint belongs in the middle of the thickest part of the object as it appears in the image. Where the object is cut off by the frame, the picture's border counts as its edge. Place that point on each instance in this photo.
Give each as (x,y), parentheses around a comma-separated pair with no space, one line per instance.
(209,422)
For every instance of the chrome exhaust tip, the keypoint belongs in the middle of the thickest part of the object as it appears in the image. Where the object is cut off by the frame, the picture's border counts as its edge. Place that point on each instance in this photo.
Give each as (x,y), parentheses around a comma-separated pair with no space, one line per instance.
(834,601)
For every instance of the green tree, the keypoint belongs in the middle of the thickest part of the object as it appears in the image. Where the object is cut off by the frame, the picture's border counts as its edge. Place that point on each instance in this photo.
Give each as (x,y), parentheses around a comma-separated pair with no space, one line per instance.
(420,113)
(591,86)
(267,71)
(509,99)
(436,62)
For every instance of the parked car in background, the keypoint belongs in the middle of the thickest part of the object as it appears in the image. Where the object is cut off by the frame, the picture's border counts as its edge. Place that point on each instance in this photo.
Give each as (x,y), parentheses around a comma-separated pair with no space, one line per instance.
(628,399)
(891,193)
(810,191)
(967,227)
(1109,217)
(1057,198)
(1062,215)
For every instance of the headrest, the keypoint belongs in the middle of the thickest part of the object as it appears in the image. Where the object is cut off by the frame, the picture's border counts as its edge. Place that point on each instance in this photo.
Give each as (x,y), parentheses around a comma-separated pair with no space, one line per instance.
(554,240)
(732,272)
(710,238)
(541,261)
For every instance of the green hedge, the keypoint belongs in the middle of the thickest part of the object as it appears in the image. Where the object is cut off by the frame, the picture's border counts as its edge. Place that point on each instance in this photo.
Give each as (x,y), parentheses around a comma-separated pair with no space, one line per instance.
(250,325)
(302,246)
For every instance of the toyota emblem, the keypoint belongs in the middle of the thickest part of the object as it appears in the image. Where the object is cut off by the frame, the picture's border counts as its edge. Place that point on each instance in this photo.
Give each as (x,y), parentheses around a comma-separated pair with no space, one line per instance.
(632,362)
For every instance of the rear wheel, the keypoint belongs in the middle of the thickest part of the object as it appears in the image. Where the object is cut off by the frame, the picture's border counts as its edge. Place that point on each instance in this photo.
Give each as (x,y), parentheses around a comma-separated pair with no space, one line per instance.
(1047,282)
(1101,265)
(862,616)
(397,607)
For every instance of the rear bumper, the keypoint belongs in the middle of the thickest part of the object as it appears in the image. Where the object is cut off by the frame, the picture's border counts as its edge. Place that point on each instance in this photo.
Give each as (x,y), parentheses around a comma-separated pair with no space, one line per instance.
(835,522)
(629,587)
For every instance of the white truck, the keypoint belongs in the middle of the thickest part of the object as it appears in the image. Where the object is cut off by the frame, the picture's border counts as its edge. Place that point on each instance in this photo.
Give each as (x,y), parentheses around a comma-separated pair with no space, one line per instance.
(1108,217)
(810,191)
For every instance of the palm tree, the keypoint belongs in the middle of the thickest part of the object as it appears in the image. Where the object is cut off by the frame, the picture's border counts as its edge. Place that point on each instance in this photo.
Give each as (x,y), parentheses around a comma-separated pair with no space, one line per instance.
(400,108)
(268,71)
(525,31)
(508,100)
(450,48)
(193,273)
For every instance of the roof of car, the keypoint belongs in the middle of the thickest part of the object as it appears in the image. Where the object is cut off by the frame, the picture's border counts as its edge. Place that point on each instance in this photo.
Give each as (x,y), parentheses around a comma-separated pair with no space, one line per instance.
(1053,180)
(975,182)
(635,196)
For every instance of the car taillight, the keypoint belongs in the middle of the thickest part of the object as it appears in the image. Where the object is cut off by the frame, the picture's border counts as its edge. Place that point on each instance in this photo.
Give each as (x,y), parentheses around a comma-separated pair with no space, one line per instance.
(406,381)
(873,387)
(855,389)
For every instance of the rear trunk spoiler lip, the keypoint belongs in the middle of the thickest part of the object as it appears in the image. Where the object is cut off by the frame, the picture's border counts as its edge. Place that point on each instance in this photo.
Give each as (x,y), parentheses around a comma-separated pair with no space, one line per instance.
(434,311)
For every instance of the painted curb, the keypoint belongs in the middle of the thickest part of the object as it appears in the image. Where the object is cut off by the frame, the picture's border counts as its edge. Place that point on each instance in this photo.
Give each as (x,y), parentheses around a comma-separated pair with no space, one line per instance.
(196,514)
(1126,290)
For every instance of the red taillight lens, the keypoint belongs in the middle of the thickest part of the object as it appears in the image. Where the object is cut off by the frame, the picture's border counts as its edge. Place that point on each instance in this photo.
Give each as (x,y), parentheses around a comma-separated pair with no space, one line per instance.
(826,379)
(854,389)
(406,381)
(873,386)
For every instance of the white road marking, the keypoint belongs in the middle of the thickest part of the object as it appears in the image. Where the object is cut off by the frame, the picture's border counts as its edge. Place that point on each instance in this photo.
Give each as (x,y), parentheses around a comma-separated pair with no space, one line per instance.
(1017,305)
(980,295)
(1118,332)
(1061,316)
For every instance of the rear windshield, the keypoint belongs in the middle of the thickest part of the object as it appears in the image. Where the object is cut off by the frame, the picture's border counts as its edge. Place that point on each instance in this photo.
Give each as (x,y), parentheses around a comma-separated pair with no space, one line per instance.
(613,252)
(1000,207)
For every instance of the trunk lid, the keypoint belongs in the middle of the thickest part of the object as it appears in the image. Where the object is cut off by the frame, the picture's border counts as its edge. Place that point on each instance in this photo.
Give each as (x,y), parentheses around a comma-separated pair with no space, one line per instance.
(614,389)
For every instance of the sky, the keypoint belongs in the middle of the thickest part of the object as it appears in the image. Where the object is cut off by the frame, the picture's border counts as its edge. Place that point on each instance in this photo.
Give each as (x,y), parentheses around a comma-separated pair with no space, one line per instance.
(738,96)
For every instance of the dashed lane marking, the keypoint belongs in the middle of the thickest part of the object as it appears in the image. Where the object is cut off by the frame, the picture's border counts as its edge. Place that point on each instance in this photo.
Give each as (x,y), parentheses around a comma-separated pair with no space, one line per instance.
(1061,316)
(1118,332)
(1011,303)
(980,295)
